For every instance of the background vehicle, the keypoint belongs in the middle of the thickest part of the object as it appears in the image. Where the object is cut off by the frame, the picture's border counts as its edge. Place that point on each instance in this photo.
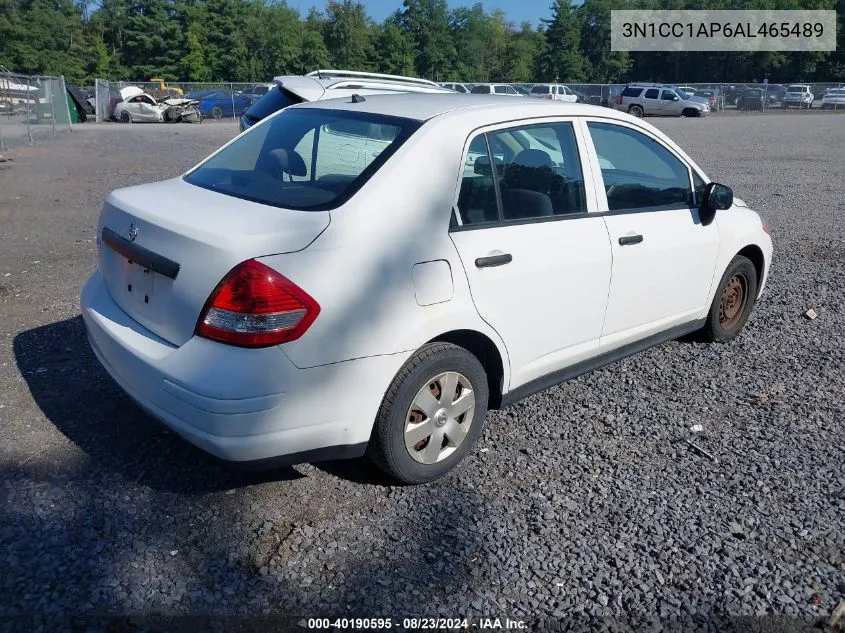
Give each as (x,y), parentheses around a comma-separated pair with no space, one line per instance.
(834,98)
(254,93)
(163,91)
(714,98)
(753,99)
(457,87)
(142,108)
(774,92)
(498,89)
(798,96)
(555,92)
(659,100)
(271,305)
(216,103)
(330,84)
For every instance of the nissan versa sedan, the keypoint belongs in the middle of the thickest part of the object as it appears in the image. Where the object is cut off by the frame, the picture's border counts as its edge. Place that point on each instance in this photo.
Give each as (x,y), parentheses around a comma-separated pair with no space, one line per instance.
(371,275)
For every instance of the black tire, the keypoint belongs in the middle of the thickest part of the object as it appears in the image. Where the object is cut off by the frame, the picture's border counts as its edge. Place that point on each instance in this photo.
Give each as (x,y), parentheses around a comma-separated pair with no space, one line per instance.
(636,111)
(725,319)
(217,112)
(125,118)
(387,447)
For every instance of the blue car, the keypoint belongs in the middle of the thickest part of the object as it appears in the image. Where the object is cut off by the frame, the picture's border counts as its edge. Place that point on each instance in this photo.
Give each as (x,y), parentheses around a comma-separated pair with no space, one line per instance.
(216,103)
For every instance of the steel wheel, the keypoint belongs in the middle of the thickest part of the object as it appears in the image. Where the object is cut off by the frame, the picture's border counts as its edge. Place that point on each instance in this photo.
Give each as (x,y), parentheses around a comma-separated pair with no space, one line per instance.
(439,418)
(732,304)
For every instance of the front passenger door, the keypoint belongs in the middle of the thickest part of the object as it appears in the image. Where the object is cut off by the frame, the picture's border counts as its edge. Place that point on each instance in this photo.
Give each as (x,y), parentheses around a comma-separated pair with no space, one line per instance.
(663,257)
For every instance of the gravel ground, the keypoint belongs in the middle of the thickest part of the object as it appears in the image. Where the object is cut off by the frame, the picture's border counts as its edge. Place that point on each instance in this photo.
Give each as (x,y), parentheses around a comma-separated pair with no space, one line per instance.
(578,504)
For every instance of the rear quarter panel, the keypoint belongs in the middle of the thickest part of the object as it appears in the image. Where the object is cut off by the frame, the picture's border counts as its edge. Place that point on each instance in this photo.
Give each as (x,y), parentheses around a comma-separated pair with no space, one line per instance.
(361,269)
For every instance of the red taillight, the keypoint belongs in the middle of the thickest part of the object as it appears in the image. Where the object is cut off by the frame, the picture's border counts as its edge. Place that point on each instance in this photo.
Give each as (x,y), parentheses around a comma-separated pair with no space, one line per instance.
(619,100)
(766,227)
(254,306)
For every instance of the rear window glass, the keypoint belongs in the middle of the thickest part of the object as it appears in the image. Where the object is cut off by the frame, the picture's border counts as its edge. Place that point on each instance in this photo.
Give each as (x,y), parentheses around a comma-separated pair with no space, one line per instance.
(275,100)
(632,92)
(481,90)
(307,159)
(795,89)
(540,90)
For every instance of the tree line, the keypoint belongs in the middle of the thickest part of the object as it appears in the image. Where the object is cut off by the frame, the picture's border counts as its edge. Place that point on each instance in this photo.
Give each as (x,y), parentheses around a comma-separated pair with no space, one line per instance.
(255,40)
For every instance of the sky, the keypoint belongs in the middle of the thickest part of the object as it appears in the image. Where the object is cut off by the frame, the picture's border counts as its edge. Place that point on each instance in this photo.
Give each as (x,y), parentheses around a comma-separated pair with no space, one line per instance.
(517,11)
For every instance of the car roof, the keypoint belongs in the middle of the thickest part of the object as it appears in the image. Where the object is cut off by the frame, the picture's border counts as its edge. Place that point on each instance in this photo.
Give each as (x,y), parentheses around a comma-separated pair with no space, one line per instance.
(422,107)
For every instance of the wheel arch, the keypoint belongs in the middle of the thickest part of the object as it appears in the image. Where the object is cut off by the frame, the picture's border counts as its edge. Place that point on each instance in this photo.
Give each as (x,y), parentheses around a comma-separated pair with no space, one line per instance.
(486,351)
(755,254)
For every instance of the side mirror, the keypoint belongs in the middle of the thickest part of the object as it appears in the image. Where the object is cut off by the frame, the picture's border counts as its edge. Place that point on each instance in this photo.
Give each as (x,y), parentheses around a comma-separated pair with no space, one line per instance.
(716,196)
(676,98)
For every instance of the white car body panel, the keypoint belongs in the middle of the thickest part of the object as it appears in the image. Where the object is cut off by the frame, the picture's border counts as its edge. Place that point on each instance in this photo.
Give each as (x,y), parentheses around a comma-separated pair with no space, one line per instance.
(389,276)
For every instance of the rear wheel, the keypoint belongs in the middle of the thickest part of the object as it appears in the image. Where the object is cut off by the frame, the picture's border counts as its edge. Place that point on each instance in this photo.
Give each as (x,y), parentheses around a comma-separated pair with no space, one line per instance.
(733,301)
(125,118)
(431,415)
(217,112)
(636,111)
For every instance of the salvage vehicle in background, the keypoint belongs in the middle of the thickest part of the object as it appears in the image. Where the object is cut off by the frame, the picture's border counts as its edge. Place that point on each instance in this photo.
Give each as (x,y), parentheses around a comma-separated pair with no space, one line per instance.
(142,108)
(457,87)
(641,99)
(554,92)
(798,96)
(505,90)
(272,304)
(216,103)
(834,98)
(753,99)
(331,84)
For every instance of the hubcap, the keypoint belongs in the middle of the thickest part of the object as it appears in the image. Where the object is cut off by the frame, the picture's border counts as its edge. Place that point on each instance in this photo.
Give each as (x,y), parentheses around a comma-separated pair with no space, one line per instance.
(439,417)
(733,301)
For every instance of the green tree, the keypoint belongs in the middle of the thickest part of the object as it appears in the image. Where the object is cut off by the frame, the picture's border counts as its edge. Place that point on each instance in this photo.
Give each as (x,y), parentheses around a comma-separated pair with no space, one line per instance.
(427,24)
(348,34)
(394,51)
(562,59)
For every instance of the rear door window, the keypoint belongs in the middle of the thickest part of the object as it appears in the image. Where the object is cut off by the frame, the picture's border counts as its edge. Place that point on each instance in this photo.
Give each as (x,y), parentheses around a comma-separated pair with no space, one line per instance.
(652,93)
(540,90)
(500,90)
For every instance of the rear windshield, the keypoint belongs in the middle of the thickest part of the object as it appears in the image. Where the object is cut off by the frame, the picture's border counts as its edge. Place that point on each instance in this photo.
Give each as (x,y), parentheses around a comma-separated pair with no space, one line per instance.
(307,159)
(795,89)
(273,101)
(540,90)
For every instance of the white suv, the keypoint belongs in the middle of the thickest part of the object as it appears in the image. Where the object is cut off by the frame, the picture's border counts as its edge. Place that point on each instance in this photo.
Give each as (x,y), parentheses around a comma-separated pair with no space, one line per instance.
(371,276)
(330,84)
(556,92)
(496,89)
(798,96)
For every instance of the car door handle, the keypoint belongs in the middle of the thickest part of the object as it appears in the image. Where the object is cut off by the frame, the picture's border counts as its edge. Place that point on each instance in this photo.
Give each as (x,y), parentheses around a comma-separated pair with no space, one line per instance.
(493,260)
(627,240)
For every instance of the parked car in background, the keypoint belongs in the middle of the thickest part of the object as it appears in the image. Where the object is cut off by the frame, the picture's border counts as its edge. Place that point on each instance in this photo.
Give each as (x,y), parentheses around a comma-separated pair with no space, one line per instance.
(834,98)
(271,303)
(753,99)
(498,89)
(143,108)
(641,99)
(714,98)
(798,96)
(523,90)
(457,87)
(688,89)
(254,93)
(216,103)
(554,92)
(774,93)
(331,84)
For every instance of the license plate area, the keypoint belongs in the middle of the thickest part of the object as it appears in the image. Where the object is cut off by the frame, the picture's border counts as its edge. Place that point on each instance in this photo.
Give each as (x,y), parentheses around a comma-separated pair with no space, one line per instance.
(139,283)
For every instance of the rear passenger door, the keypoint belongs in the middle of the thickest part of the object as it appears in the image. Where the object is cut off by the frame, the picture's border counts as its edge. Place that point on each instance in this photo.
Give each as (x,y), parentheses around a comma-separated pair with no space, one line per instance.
(651,101)
(663,257)
(537,261)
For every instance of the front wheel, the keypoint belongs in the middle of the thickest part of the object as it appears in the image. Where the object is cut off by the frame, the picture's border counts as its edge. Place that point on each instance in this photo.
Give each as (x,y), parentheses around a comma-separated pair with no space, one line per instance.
(431,415)
(733,301)
(217,112)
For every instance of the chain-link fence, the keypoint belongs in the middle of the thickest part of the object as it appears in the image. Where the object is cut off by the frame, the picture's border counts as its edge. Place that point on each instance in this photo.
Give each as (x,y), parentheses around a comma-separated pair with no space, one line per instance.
(31,108)
(219,100)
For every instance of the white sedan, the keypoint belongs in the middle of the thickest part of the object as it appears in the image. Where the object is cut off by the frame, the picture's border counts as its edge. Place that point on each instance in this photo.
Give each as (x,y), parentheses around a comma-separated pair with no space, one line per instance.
(372,275)
(142,108)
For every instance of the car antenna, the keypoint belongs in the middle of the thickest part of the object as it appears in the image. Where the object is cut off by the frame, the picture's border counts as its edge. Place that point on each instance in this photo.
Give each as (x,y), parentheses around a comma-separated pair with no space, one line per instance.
(356,98)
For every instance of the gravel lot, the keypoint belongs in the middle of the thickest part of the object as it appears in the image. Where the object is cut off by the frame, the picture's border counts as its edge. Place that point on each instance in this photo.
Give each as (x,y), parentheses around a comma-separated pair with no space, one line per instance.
(577,503)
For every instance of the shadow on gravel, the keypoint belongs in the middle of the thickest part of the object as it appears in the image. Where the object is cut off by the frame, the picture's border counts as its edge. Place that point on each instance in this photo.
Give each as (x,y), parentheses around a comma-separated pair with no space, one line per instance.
(77,395)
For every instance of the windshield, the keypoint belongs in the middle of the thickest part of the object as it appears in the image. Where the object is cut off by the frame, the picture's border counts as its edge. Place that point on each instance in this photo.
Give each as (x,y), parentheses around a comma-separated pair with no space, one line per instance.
(307,159)
(275,100)
(682,94)
(795,89)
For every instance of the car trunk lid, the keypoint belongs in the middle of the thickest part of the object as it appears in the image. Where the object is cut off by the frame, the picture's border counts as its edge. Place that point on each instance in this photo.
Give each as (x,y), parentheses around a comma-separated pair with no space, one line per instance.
(164,247)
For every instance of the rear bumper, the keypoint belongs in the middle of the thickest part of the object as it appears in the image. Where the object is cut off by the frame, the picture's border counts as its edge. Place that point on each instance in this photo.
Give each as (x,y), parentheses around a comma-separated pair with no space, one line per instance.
(238,404)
